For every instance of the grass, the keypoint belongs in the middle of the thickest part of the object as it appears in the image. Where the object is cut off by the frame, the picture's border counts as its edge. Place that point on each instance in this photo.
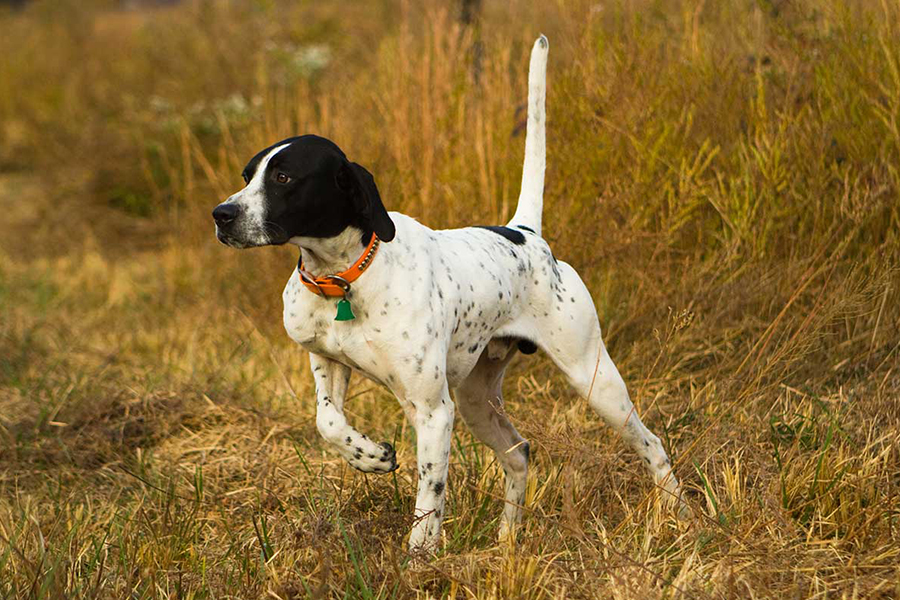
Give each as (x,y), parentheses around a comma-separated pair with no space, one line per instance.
(724,175)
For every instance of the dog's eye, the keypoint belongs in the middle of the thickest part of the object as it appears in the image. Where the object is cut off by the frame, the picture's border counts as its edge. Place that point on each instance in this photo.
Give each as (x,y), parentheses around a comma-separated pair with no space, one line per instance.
(282,178)
(244,177)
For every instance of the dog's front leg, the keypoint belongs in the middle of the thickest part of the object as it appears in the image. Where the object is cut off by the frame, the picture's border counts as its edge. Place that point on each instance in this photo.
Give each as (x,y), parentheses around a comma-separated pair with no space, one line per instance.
(434,431)
(331,388)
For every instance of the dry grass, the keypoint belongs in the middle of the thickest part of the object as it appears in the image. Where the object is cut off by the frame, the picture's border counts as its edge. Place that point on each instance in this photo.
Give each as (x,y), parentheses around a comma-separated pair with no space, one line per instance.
(724,174)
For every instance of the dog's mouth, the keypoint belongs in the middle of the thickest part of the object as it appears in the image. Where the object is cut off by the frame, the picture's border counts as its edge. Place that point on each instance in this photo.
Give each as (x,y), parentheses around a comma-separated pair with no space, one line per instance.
(229,240)
(243,241)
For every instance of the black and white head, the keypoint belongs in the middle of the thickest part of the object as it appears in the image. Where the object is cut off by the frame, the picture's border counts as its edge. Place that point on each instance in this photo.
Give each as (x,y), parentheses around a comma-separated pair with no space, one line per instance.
(301,187)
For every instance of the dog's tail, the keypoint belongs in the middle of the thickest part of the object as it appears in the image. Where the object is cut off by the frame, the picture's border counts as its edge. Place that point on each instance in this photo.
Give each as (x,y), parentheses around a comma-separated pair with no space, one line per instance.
(531,198)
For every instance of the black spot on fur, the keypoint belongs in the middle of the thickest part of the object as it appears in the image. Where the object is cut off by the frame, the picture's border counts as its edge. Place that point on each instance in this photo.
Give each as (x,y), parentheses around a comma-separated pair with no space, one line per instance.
(525,228)
(516,237)
(527,347)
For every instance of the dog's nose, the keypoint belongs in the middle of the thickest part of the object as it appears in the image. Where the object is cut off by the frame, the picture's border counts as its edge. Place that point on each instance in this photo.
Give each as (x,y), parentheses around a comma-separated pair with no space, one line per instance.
(226,213)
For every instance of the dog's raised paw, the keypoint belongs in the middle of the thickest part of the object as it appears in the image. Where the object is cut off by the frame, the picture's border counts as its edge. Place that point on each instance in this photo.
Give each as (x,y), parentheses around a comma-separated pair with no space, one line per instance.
(389,457)
(376,463)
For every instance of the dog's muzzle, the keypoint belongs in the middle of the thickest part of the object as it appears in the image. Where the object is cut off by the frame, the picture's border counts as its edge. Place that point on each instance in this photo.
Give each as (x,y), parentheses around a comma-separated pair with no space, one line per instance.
(225,215)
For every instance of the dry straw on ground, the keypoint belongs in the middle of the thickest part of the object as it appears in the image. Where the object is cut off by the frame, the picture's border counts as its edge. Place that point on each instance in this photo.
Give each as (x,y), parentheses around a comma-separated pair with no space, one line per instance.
(725,175)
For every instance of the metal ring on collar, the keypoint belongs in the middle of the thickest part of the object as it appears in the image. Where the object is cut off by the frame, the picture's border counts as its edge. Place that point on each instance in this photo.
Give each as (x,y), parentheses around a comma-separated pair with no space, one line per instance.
(341,282)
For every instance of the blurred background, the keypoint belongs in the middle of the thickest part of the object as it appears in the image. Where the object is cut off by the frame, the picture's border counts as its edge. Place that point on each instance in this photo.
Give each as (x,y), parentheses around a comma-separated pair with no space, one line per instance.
(724,175)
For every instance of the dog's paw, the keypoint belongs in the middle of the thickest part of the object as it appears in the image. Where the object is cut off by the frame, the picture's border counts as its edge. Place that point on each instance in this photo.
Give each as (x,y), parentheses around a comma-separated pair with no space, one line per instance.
(385,462)
(676,502)
(389,457)
(683,510)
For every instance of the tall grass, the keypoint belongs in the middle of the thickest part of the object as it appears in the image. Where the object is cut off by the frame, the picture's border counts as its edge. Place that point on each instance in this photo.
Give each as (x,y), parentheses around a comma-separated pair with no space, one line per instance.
(723,174)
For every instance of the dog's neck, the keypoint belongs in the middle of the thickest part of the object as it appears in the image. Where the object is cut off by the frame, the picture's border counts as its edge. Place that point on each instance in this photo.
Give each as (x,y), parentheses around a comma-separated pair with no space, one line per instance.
(327,256)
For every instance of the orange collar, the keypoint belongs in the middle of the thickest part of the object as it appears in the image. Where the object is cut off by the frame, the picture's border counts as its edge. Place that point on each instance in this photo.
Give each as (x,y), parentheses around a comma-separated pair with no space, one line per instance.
(339,284)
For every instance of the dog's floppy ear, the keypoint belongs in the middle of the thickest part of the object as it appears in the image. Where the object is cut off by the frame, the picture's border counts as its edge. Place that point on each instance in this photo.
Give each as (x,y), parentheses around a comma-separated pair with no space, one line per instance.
(366,199)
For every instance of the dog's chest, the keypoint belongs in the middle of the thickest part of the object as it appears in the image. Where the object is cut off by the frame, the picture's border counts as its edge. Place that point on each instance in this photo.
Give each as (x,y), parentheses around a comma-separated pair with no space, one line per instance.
(310,321)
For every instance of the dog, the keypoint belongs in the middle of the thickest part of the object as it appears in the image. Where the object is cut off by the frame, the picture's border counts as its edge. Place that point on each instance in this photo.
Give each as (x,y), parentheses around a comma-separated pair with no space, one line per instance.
(424,312)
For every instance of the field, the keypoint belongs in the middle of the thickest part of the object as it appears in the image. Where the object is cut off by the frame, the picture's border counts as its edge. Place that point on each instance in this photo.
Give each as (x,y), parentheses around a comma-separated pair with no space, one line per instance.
(725,176)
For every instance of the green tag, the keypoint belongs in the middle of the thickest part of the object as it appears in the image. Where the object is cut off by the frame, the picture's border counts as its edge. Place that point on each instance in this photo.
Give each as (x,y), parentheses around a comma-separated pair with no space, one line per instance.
(344,312)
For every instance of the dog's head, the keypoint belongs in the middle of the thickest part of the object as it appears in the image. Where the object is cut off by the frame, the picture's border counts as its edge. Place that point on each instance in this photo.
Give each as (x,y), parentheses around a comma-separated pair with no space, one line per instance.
(301,187)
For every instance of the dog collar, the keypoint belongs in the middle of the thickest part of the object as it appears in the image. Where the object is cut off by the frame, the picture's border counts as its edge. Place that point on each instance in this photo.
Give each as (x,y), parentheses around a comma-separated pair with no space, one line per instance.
(337,285)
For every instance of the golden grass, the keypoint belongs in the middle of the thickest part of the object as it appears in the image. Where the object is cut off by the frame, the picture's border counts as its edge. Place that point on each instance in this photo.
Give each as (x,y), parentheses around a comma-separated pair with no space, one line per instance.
(724,175)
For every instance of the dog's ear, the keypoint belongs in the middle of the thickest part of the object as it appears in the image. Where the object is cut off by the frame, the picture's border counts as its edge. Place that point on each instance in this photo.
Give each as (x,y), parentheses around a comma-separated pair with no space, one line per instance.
(366,199)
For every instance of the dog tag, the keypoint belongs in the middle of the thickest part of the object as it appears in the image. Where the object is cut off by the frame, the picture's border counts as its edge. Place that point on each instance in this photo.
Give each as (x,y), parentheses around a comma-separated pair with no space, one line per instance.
(344,311)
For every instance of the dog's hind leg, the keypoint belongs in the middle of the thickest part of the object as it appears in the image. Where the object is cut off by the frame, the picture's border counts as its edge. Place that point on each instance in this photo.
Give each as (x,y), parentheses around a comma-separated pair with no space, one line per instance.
(479,401)
(570,334)
(331,389)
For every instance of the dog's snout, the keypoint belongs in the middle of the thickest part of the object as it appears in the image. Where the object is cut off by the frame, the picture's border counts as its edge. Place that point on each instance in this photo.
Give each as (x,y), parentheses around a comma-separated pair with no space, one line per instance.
(226,213)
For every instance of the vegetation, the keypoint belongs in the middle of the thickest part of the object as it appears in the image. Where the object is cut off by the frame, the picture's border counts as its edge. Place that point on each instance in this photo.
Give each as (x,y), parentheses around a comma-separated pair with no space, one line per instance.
(725,175)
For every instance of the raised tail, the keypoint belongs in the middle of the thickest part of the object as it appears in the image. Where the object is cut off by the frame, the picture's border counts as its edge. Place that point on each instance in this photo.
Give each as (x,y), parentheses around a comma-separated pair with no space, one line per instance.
(531,197)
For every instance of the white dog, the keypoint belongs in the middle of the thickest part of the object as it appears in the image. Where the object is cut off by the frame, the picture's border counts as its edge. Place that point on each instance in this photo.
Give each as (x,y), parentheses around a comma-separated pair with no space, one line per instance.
(424,312)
